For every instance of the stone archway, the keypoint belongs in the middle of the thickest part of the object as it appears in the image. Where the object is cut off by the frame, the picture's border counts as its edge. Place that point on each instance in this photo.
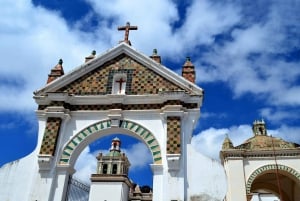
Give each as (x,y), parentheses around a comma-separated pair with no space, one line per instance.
(74,146)
(265,178)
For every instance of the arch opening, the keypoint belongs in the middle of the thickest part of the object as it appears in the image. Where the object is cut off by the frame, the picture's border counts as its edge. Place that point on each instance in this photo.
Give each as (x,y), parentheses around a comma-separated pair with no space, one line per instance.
(93,132)
(264,181)
(137,152)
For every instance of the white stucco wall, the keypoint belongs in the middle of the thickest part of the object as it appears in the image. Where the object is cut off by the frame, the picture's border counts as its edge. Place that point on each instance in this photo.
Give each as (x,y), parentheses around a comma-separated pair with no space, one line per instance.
(18,178)
(101,191)
(206,177)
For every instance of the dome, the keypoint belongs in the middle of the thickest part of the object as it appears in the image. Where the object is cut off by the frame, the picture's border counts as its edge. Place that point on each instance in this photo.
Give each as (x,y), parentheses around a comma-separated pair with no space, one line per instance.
(114,153)
(263,142)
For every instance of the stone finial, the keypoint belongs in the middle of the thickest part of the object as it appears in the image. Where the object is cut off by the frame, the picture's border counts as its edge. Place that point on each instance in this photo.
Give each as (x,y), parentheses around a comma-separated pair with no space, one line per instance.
(227,144)
(259,127)
(56,71)
(92,56)
(155,56)
(188,70)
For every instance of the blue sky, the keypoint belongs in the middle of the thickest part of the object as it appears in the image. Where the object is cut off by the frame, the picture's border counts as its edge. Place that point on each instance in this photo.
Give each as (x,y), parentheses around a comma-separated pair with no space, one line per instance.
(246,53)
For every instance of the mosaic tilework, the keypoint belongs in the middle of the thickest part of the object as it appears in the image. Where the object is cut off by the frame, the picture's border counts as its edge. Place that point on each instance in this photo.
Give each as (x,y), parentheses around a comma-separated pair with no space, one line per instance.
(173,135)
(146,135)
(50,136)
(123,107)
(141,79)
(129,75)
(139,130)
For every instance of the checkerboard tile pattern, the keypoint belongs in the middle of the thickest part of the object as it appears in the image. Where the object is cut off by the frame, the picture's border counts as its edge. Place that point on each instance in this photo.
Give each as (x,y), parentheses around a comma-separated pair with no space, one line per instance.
(173,135)
(50,136)
(140,80)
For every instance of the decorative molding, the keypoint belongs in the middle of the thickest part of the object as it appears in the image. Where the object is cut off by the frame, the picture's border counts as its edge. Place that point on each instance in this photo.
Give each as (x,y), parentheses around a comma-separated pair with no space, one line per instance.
(234,153)
(106,99)
(45,162)
(173,162)
(159,106)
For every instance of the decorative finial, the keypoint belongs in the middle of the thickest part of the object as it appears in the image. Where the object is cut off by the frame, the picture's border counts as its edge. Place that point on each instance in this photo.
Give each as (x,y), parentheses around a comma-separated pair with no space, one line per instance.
(56,71)
(227,144)
(188,58)
(155,56)
(94,52)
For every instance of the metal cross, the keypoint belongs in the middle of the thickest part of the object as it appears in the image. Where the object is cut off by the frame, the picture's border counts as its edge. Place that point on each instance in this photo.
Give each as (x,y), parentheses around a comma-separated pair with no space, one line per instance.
(127,28)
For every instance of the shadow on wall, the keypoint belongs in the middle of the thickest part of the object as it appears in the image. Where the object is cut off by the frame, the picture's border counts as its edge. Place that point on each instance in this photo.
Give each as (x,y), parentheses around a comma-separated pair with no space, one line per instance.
(203,197)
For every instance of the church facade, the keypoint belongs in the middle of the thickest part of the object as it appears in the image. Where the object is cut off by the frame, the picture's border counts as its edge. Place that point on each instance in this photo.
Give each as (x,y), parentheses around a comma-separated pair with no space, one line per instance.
(120,91)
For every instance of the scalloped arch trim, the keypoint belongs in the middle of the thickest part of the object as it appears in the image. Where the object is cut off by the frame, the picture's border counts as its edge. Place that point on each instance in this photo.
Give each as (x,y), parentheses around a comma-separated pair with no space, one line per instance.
(265,168)
(139,130)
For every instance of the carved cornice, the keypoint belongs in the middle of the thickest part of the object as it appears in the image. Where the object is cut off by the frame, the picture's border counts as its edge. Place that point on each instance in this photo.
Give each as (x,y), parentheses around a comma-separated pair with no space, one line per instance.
(260,153)
(117,99)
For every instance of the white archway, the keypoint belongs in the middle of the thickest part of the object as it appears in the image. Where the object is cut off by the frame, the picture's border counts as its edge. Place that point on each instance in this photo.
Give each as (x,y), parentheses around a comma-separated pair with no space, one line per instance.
(76,144)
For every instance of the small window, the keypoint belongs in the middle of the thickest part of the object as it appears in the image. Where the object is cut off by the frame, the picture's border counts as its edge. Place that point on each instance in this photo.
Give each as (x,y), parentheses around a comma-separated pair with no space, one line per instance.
(115,167)
(104,169)
(119,84)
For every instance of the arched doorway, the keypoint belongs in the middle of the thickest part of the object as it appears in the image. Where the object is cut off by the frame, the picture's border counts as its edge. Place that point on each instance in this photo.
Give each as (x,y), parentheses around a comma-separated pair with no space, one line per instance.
(82,139)
(264,181)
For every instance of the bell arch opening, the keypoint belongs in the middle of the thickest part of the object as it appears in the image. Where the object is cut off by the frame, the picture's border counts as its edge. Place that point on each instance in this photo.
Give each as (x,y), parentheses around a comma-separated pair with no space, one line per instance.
(264,181)
(135,150)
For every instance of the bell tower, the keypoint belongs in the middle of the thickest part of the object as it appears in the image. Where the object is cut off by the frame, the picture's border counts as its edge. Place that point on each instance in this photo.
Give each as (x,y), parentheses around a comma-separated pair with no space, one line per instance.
(111,180)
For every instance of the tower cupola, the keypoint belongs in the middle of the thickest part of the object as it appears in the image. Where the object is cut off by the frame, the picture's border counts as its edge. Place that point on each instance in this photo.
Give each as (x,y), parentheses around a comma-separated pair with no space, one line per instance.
(111,175)
(259,127)
(114,162)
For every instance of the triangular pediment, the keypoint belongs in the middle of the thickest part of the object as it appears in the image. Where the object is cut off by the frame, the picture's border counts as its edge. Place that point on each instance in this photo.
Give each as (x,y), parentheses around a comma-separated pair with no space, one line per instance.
(144,76)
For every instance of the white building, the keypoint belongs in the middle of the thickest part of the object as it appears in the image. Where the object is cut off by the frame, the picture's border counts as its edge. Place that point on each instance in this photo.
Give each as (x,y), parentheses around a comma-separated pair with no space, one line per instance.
(121,91)
(263,168)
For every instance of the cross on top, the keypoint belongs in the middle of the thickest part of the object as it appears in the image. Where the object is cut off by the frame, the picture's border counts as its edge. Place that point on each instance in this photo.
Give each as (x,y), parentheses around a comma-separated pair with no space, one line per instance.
(127,28)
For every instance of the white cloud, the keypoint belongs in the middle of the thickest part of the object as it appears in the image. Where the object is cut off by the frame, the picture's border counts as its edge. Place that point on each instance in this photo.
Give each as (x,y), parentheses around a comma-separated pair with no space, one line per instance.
(209,141)
(33,39)
(138,155)
(86,165)
(277,115)
(155,20)
(252,61)
(287,133)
